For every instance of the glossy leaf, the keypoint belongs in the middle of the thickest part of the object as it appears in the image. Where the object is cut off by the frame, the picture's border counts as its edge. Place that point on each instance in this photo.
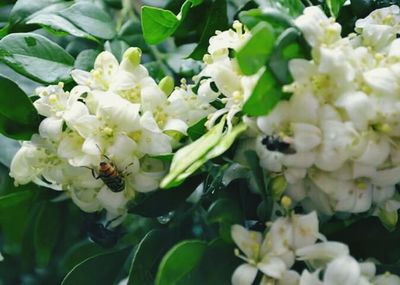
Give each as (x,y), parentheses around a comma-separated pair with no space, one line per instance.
(197,130)
(255,52)
(217,20)
(225,211)
(16,121)
(266,94)
(278,20)
(85,59)
(288,46)
(116,47)
(216,266)
(58,23)
(36,57)
(148,255)
(180,261)
(78,253)
(47,230)
(334,6)
(14,210)
(7,150)
(189,154)
(224,143)
(25,8)
(158,24)
(101,269)
(91,19)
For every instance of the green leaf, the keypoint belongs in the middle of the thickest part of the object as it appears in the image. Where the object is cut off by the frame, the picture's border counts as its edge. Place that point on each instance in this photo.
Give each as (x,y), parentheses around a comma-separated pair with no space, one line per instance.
(148,255)
(225,211)
(8,149)
(58,23)
(85,59)
(255,52)
(14,210)
(16,112)
(180,261)
(217,20)
(189,154)
(288,46)
(36,57)
(204,151)
(116,47)
(78,253)
(91,19)
(197,130)
(27,85)
(101,269)
(216,266)
(361,8)
(47,230)
(278,20)
(334,6)
(266,94)
(25,8)
(158,24)
(292,8)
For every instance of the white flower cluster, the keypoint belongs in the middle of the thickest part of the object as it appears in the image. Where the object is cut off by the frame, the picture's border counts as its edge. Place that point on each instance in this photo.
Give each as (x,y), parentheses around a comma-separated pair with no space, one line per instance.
(336,141)
(222,72)
(118,116)
(293,238)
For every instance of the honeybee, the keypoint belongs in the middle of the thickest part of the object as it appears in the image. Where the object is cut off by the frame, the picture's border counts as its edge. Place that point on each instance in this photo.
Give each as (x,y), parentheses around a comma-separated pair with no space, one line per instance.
(110,175)
(277,143)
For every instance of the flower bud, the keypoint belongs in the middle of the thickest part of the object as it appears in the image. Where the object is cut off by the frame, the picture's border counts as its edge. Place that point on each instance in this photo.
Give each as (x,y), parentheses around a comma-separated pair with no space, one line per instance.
(133,55)
(278,186)
(167,85)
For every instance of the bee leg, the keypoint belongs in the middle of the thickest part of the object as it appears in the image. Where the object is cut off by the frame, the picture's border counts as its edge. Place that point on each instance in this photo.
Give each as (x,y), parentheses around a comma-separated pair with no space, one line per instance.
(126,167)
(94,174)
(112,220)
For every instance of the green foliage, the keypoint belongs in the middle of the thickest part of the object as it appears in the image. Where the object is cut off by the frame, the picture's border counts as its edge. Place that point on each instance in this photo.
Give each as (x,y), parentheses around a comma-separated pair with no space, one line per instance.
(254,54)
(91,19)
(18,116)
(217,20)
(36,57)
(88,272)
(180,261)
(266,94)
(47,229)
(148,255)
(158,24)
(334,6)
(191,157)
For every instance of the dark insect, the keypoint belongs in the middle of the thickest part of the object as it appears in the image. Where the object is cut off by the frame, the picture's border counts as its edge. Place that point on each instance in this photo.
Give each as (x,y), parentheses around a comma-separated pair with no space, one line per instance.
(276,143)
(102,234)
(110,175)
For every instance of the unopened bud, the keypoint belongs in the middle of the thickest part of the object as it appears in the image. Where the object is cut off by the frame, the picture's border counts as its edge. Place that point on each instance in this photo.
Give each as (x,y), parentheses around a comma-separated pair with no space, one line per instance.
(133,55)
(388,218)
(167,85)
(278,186)
(286,202)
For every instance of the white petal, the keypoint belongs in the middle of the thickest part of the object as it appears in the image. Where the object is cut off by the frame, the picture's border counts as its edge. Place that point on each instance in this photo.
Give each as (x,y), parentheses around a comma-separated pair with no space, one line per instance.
(51,128)
(344,270)
(111,201)
(272,266)
(305,229)
(244,275)
(248,241)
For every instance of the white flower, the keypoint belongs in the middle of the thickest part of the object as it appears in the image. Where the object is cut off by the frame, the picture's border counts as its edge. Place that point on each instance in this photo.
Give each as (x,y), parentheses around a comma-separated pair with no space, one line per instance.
(317,28)
(256,256)
(59,107)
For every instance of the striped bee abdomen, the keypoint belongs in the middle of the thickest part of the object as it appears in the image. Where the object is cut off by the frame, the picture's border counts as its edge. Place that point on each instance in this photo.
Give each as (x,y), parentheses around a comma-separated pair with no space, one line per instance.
(109,174)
